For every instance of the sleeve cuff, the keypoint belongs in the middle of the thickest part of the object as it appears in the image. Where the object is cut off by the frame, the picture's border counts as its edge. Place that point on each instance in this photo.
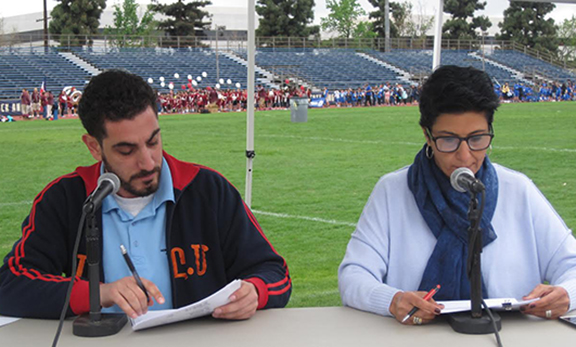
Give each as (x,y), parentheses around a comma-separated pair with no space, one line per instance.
(80,297)
(261,289)
(380,300)
(570,287)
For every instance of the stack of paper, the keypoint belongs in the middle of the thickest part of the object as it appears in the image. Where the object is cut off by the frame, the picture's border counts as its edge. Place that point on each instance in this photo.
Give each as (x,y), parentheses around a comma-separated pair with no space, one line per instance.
(198,309)
(504,304)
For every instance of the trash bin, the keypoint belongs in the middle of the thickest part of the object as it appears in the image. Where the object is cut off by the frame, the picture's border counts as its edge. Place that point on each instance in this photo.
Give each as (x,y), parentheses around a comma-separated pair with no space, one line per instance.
(299,110)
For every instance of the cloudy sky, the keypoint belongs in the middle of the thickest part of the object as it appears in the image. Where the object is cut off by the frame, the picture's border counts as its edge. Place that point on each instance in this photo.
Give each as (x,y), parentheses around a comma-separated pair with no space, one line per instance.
(494,8)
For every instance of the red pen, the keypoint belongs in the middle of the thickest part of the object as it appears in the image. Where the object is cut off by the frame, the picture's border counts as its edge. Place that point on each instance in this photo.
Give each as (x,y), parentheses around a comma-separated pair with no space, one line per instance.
(426,297)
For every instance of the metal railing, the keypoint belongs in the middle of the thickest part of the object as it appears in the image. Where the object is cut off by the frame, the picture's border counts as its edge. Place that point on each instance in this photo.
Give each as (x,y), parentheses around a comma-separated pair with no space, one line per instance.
(103,42)
(237,42)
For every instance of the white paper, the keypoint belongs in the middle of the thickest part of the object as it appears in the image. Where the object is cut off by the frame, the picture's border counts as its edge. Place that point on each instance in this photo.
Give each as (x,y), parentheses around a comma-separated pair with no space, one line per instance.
(7,320)
(503,304)
(200,308)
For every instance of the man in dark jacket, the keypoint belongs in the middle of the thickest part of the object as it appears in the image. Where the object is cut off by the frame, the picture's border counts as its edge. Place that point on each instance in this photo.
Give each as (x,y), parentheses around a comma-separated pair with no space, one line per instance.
(185,226)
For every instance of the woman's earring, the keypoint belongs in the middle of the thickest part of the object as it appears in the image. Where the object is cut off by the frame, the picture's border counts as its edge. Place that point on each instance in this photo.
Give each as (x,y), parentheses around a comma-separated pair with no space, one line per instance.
(429,151)
(489,150)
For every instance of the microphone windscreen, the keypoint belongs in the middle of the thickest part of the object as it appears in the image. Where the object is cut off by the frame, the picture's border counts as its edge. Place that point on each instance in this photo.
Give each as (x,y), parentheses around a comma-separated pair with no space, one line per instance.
(455,178)
(112,178)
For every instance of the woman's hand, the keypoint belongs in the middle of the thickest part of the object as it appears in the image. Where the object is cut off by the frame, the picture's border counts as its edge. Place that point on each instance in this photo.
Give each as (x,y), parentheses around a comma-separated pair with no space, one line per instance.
(554,302)
(404,302)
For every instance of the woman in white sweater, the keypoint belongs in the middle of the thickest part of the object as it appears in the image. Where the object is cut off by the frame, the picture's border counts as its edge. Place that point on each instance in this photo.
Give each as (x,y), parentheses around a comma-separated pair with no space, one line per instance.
(412,234)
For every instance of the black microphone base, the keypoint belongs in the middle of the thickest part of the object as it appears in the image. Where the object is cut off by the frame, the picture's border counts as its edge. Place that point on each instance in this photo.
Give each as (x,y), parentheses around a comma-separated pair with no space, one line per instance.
(109,324)
(464,323)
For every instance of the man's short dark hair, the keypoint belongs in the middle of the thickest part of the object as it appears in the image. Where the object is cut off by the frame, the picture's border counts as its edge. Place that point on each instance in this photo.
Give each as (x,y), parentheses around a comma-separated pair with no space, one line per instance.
(113,95)
(454,89)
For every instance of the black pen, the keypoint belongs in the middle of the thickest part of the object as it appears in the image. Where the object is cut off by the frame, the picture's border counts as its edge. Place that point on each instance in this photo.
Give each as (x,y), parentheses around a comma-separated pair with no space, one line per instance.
(426,297)
(133,270)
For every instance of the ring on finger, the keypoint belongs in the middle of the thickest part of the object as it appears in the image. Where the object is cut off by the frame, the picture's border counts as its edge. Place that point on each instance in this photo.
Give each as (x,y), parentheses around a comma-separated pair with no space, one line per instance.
(549,314)
(417,320)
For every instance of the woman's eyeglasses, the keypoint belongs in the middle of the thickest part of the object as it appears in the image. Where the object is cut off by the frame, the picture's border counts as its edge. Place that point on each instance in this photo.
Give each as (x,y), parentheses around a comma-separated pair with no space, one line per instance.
(449,144)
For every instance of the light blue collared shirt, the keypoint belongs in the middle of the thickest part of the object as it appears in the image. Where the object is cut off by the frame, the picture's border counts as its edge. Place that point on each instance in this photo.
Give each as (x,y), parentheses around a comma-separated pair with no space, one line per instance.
(144,237)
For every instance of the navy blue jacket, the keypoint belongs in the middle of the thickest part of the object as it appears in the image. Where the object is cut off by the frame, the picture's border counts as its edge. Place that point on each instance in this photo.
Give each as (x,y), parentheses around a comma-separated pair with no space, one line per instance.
(212,238)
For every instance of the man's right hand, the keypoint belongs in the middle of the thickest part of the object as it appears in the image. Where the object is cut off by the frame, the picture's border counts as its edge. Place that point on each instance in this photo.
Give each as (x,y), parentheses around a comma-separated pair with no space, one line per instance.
(128,296)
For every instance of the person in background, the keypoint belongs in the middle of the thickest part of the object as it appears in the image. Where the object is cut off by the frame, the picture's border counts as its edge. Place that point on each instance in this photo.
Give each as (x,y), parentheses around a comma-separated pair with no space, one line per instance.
(25,104)
(412,234)
(63,101)
(44,104)
(35,103)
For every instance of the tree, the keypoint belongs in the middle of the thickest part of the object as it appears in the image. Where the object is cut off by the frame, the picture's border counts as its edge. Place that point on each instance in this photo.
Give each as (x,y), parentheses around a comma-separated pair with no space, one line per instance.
(567,34)
(398,12)
(288,18)
(524,23)
(421,23)
(459,26)
(128,28)
(343,16)
(184,19)
(379,17)
(403,21)
(364,30)
(77,18)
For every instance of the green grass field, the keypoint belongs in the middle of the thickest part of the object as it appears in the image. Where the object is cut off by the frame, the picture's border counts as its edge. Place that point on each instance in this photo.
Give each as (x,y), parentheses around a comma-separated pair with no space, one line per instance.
(311,180)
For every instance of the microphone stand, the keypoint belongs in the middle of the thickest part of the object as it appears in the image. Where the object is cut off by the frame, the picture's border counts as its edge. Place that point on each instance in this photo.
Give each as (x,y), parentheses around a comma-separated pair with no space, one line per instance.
(474,323)
(95,324)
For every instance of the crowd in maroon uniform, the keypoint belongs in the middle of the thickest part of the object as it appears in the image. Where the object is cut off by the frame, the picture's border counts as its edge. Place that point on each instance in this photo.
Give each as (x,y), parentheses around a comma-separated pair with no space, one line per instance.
(226,100)
(44,104)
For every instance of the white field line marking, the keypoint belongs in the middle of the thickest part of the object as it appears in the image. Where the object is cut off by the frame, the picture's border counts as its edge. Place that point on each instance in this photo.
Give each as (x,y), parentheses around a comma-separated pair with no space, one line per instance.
(271,214)
(543,149)
(335,139)
(40,129)
(379,142)
(376,142)
(6,204)
(311,219)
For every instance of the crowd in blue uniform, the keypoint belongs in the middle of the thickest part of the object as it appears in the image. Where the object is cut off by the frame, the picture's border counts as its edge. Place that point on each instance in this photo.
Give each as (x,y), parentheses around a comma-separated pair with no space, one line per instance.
(554,91)
(397,94)
(384,94)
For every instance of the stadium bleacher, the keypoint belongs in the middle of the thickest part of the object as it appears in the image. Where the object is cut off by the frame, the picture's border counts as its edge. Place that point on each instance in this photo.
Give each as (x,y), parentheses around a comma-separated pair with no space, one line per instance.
(317,68)
(156,63)
(420,61)
(530,65)
(25,69)
(333,69)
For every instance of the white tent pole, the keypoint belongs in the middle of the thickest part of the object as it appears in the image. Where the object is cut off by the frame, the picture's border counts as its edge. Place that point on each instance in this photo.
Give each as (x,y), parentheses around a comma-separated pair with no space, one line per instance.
(250,111)
(438,36)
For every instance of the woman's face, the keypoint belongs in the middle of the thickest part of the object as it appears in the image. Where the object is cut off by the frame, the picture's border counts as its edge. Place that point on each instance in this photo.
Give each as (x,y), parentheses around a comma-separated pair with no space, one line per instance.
(461,125)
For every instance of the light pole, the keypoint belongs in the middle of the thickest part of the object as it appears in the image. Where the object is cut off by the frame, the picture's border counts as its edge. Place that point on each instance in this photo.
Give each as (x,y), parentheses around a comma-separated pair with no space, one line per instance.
(484,33)
(45,25)
(436,60)
(251,48)
(218,29)
(387,26)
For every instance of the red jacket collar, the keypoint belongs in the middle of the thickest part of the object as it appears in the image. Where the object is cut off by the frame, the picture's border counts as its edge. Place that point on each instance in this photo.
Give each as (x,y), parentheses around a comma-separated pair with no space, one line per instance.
(182,173)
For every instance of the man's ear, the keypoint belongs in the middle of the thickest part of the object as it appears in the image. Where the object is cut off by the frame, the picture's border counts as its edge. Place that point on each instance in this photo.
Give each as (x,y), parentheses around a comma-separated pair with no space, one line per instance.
(93,146)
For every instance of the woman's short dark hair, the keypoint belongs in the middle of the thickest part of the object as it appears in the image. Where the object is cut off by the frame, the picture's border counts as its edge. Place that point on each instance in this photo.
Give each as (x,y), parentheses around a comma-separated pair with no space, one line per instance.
(454,89)
(113,95)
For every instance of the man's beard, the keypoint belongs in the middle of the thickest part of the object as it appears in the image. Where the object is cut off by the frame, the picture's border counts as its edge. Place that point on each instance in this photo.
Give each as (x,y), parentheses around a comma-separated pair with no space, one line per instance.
(127,185)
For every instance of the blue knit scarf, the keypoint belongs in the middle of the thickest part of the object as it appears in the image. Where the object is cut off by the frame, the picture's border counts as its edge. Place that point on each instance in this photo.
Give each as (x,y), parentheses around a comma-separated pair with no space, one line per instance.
(445,211)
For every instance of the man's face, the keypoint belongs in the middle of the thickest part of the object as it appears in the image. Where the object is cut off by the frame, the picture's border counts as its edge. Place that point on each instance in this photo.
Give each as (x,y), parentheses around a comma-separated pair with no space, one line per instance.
(132,150)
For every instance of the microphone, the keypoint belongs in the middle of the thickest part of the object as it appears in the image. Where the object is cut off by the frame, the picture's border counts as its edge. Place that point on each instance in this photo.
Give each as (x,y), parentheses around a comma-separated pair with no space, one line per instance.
(108,183)
(463,180)
(94,323)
